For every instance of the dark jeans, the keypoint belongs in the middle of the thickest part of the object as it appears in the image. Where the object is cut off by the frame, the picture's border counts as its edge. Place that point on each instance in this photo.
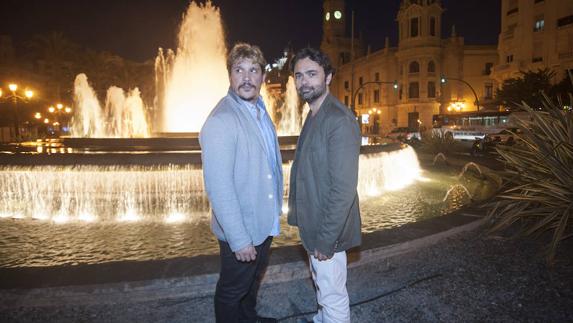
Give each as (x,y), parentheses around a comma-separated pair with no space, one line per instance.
(236,293)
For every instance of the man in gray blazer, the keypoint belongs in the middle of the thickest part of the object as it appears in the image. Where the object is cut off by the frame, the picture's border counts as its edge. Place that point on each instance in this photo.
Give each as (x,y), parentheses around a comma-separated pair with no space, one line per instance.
(323,198)
(243,179)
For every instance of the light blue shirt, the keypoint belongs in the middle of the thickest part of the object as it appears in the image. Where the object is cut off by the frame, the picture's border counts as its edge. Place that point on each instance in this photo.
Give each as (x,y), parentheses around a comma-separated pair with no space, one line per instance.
(259,113)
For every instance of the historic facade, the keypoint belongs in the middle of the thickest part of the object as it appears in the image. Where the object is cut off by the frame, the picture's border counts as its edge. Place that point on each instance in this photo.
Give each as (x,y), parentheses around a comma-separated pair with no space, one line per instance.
(401,86)
(535,34)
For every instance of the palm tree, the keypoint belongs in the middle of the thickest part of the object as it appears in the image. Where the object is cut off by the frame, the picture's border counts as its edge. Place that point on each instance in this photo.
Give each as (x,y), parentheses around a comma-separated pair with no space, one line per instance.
(56,57)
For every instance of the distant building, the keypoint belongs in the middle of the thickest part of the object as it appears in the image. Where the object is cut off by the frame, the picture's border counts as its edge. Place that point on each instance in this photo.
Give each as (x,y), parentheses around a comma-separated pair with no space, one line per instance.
(535,34)
(416,65)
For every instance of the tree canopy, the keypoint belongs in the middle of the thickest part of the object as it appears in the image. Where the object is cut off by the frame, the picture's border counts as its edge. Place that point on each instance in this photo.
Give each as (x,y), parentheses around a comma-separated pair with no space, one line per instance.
(530,86)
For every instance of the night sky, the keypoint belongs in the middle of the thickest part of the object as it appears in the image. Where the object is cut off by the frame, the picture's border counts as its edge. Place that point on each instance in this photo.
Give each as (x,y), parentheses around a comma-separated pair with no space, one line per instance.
(134,29)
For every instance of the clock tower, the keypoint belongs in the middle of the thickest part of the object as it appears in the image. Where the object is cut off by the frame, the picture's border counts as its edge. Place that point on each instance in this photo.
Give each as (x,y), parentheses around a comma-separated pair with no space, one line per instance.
(335,43)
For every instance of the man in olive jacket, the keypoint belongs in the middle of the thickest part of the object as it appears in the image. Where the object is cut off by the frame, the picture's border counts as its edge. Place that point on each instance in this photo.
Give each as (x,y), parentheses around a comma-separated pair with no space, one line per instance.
(323,198)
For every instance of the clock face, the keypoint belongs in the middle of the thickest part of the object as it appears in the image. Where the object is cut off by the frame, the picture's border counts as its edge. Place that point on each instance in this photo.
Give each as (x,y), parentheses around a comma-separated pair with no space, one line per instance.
(327,16)
(337,14)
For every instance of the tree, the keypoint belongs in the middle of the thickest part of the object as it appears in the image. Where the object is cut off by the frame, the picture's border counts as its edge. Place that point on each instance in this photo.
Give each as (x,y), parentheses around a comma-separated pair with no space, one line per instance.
(564,90)
(56,56)
(528,88)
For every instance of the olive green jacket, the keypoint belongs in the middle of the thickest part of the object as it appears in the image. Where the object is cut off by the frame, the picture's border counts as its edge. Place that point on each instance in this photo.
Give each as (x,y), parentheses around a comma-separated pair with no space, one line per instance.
(323,199)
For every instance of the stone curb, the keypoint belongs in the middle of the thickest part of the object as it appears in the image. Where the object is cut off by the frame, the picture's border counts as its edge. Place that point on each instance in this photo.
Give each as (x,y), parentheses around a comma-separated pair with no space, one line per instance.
(200,285)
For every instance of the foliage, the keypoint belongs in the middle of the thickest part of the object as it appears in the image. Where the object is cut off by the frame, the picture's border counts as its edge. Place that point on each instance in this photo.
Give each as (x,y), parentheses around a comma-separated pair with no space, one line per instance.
(525,88)
(539,176)
(436,141)
(57,60)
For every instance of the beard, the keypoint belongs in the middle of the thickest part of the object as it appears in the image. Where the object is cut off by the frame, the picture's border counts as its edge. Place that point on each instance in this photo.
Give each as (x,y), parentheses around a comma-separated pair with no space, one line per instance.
(310,93)
(247,91)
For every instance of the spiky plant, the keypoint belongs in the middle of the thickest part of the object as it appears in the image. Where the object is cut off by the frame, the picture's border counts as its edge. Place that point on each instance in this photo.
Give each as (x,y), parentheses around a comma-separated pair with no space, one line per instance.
(539,176)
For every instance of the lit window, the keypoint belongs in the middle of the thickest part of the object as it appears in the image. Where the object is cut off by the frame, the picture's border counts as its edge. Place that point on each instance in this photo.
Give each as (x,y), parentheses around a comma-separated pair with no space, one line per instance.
(539,24)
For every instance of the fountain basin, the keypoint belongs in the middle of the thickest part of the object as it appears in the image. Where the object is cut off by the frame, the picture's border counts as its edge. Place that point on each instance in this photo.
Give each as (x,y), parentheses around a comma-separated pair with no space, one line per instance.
(77,215)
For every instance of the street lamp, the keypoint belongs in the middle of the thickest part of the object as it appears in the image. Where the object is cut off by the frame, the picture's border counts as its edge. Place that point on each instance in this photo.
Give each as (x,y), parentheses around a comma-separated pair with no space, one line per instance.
(444,80)
(15,96)
(394,85)
(58,110)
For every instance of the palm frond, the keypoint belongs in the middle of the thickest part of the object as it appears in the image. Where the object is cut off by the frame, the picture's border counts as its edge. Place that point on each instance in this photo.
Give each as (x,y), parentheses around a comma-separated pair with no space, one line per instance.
(538,187)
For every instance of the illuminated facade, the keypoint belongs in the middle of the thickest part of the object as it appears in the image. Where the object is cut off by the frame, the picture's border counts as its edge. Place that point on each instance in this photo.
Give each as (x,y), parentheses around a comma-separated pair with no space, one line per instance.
(415,66)
(535,34)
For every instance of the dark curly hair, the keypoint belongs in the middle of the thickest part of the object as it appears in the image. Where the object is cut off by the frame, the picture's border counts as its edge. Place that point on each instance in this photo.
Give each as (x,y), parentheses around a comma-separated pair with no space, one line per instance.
(314,55)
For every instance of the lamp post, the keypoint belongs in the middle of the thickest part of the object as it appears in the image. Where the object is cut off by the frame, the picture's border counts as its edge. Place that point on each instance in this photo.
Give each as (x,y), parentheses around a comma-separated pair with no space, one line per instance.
(14,96)
(394,85)
(444,80)
(57,110)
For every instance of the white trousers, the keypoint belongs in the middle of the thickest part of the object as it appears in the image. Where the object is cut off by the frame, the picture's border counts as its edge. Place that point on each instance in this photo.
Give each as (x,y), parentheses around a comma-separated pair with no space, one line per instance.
(329,278)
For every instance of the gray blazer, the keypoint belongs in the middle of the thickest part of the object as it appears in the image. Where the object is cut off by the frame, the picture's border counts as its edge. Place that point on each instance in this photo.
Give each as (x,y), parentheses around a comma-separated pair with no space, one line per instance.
(323,198)
(237,175)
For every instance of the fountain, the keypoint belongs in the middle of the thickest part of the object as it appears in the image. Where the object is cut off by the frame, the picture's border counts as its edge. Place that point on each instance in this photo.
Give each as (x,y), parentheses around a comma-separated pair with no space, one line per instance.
(143,199)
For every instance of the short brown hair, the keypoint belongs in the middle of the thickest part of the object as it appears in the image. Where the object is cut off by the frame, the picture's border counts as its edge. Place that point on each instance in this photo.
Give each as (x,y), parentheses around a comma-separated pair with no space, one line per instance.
(244,50)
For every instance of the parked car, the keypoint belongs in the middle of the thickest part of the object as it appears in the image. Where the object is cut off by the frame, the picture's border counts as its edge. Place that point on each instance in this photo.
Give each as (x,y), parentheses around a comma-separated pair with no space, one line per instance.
(487,144)
(505,136)
(404,134)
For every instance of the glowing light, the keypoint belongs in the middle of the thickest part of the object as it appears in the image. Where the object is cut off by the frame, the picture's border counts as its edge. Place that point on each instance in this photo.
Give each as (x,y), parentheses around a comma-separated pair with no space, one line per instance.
(59,106)
(198,75)
(129,216)
(46,120)
(387,171)
(51,109)
(40,216)
(13,87)
(87,217)
(373,191)
(285,208)
(61,218)
(175,217)
(29,94)
(423,179)
(38,115)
